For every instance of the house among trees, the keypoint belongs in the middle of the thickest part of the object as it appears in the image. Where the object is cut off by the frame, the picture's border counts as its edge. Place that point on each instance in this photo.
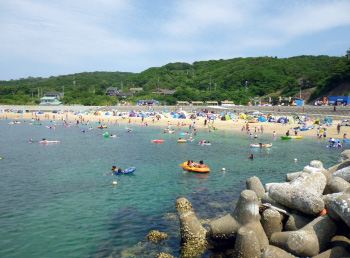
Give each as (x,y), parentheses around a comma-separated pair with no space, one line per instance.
(125,94)
(50,101)
(54,95)
(112,91)
(136,90)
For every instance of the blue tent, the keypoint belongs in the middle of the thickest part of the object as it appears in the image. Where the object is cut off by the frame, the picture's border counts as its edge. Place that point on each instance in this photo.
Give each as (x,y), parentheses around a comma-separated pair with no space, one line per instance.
(107,113)
(262,119)
(272,120)
(54,111)
(232,116)
(176,116)
(282,120)
(328,120)
(40,112)
(120,114)
(182,116)
(20,111)
(212,117)
(172,113)
(165,111)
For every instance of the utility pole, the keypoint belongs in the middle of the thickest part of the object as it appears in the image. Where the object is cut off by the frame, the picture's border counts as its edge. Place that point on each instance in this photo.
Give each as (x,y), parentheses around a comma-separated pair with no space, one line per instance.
(121,85)
(63,90)
(38,93)
(215,86)
(246,87)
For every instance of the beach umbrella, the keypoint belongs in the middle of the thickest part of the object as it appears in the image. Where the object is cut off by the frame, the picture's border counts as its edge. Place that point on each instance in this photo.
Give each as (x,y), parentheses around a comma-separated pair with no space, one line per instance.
(132,115)
(54,111)
(176,116)
(165,111)
(182,116)
(232,116)
(212,117)
(40,112)
(107,113)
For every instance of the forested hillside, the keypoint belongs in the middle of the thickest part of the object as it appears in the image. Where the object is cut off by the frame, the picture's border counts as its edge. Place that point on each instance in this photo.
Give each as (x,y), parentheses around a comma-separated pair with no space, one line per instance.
(235,79)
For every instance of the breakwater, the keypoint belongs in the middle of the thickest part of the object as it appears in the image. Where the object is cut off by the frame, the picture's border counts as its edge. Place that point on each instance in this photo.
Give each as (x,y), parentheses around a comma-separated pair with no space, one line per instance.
(306,216)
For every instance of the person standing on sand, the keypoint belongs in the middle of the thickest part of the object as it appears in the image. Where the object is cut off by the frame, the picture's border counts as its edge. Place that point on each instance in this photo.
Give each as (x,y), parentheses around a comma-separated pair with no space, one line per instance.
(338,128)
(274,134)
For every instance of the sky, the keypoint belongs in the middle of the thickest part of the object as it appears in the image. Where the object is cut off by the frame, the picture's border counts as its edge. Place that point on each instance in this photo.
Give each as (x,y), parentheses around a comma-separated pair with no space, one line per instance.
(41,38)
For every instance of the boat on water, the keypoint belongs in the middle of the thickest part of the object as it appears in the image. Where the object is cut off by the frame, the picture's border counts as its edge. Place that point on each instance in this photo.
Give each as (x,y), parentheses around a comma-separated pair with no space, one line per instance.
(181,140)
(195,169)
(257,145)
(126,171)
(158,141)
(291,137)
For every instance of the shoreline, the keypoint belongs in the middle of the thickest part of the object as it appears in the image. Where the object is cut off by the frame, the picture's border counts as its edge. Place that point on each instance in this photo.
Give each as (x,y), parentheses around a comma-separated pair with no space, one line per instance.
(230,125)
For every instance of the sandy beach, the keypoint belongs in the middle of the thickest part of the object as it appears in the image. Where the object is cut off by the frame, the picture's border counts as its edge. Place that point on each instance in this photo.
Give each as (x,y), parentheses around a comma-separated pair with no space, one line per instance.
(183,124)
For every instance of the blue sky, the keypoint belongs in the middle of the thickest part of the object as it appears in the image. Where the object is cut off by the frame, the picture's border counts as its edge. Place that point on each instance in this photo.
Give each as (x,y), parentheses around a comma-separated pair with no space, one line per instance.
(43,38)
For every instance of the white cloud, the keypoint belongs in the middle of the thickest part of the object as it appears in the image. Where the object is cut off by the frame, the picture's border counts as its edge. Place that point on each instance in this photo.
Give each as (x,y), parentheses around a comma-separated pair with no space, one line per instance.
(311,17)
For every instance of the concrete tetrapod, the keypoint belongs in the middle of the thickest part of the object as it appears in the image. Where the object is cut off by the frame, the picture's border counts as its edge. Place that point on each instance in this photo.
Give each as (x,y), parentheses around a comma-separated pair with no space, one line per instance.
(193,234)
(309,240)
(303,193)
(340,206)
(224,230)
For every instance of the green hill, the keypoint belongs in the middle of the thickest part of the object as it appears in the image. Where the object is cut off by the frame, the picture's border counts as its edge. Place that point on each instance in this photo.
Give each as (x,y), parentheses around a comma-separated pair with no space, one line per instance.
(235,79)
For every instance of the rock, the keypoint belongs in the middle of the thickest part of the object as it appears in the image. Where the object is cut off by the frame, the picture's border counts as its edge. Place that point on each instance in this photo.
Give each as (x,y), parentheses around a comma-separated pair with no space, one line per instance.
(343,173)
(303,193)
(164,255)
(316,164)
(292,176)
(340,206)
(339,248)
(156,236)
(193,234)
(309,240)
(247,243)
(296,221)
(254,184)
(338,184)
(271,221)
(345,155)
(275,252)
(224,230)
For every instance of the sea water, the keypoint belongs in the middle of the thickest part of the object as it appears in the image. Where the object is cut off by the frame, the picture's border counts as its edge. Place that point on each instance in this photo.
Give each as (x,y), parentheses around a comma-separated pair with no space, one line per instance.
(58,200)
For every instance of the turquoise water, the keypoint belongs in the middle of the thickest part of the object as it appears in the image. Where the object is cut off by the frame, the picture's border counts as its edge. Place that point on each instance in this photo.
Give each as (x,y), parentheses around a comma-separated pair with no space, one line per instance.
(58,200)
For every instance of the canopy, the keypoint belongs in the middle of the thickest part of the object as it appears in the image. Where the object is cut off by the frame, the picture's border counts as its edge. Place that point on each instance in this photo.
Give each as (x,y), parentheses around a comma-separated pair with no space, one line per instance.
(282,120)
(212,117)
(225,117)
(317,121)
(328,120)
(183,116)
(272,120)
(243,116)
(40,112)
(54,111)
(262,119)
(107,113)
(165,111)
